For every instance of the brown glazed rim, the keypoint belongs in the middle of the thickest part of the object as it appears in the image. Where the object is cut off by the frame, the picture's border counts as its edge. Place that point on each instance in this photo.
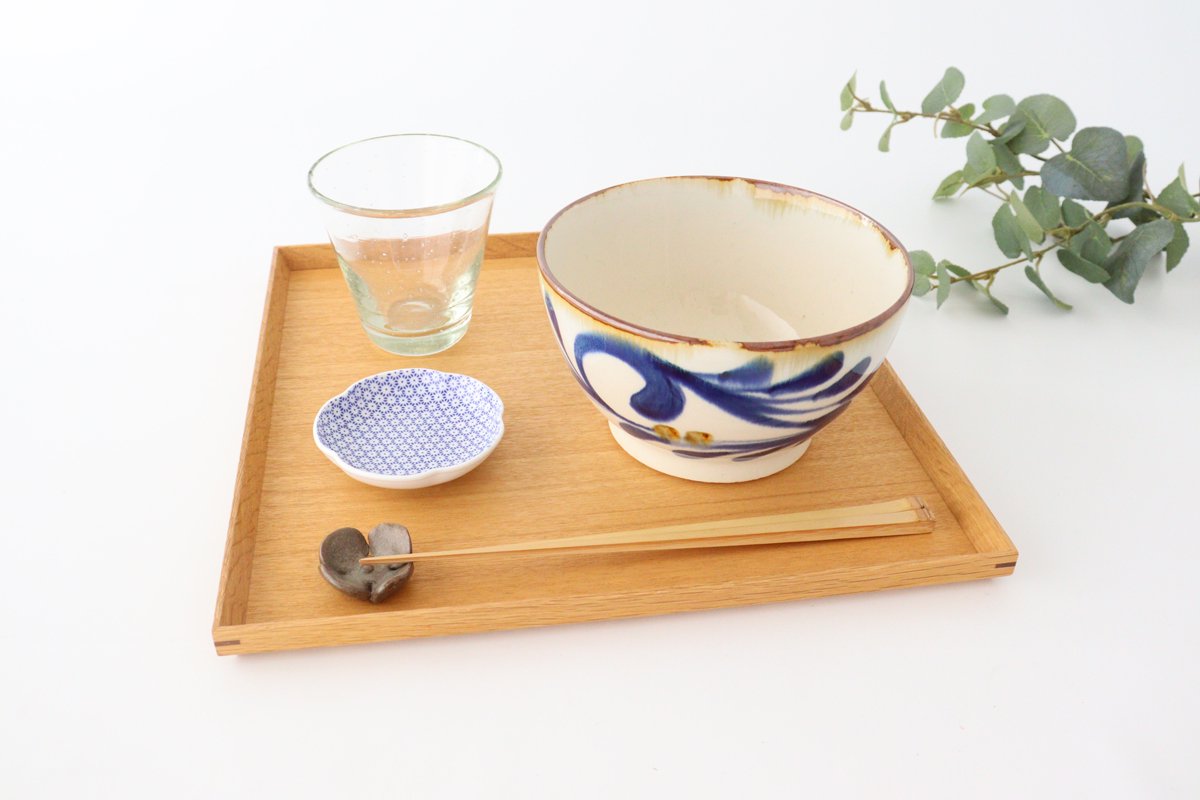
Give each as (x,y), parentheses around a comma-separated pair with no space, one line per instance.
(823,340)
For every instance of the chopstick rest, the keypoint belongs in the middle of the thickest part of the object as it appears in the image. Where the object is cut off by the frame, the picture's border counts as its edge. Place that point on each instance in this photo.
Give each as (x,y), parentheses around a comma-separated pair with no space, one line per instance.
(343,550)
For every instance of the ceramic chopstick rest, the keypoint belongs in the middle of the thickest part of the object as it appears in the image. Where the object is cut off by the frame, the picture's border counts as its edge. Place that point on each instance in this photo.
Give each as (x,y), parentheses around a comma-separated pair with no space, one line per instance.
(342,549)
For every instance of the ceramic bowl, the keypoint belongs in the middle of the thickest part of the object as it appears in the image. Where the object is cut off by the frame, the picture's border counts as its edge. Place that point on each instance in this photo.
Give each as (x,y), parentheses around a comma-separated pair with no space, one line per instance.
(410,428)
(718,323)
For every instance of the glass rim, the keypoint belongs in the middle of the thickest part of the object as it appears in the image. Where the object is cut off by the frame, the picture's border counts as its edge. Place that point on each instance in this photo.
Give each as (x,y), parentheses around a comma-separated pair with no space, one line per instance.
(423,211)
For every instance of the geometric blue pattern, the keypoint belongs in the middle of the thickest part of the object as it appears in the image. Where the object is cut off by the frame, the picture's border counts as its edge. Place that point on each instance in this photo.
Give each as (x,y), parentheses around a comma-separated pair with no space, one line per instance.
(409,421)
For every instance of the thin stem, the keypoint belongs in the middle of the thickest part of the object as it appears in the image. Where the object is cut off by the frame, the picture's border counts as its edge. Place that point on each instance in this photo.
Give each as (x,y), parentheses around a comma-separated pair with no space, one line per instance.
(864,106)
(991,273)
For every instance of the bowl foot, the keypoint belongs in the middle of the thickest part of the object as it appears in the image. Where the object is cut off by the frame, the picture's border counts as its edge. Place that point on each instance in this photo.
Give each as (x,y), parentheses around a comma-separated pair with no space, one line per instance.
(721,469)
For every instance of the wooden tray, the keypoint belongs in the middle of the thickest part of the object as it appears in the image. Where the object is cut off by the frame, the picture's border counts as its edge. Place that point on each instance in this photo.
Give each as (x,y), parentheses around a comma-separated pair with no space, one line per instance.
(557,472)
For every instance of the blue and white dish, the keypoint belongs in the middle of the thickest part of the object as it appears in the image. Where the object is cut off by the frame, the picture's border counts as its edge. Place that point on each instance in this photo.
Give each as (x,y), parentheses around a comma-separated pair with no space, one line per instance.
(410,428)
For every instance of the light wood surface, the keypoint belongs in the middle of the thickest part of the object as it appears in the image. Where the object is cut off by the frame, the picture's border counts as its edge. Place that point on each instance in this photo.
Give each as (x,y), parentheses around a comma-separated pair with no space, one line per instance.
(904,517)
(556,473)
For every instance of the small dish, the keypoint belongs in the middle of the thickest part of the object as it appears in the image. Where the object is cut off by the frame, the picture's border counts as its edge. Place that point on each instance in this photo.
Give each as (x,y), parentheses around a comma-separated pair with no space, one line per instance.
(410,428)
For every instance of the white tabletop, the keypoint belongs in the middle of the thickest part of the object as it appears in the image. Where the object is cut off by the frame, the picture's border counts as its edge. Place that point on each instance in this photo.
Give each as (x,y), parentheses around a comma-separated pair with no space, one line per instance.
(153,155)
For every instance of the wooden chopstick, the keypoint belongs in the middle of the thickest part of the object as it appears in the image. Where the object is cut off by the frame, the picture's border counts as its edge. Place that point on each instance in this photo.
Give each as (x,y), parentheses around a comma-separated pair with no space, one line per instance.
(902,517)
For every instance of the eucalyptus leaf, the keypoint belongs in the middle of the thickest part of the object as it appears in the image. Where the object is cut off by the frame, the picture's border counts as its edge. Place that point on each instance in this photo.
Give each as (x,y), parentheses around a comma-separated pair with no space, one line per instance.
(883,95)
(847,98)
(1074,214)
(949,185)
(1045,117)
(1133,192)
(1093,243)
(1010,131)
(943,279)
(885,141)
(996,107)
(1133,147)
(1044,207)
(1026,220)
(1085,269)
(921,286)
(1128,262)
(1094,169)
(1177,198)
(945,93)
(1037,281)
(955,269)
(981,159)
(1011,240)
(848,120)
(1009,164)
(956,130)
(921,261)
(1177,246)
(1001,307)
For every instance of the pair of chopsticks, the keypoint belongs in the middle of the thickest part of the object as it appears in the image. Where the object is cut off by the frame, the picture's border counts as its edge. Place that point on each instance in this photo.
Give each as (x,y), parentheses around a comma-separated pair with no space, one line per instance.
(901,517)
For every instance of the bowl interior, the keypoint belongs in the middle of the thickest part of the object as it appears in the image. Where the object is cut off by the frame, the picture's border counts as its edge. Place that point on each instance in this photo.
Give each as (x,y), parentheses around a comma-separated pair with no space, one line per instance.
(410,421)
(725,260)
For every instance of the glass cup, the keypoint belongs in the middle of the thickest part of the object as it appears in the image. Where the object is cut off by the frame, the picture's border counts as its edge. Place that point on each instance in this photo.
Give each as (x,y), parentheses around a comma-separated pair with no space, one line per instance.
(408,216)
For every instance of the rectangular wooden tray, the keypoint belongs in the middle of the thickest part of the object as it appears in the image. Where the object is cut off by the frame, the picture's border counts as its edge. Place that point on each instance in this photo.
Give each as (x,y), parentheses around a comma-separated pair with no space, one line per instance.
(557,472)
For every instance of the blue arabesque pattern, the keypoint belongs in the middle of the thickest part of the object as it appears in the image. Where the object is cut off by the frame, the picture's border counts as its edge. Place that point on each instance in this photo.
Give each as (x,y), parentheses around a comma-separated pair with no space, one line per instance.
(800,405)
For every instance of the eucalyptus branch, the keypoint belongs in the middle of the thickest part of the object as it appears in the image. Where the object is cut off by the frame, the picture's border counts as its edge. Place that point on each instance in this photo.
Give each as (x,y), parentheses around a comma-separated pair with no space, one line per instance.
(1092,164)
(863,106)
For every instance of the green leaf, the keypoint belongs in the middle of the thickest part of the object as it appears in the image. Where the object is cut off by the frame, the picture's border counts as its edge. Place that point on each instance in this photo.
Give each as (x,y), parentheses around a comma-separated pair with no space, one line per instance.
(949,185)
(956,130)
(1010,131)
(943,279)
(955,269)
(981,159)
(1177,247)
(921,286)
(1026,219)
(1085,269)
(1177,198)
(921,261)
(1037,281)
(848,120)
(1011,240)
(848,94)
(1092,243)
(1133,148)
(1009,164)
(1074,214)
(1045,117)
(996,107)
(1003,309)
(885,141)
(945,93)
(1133,191)
(980,154)
(887,99)
(1128,262)
(1044,207)
(1094,169)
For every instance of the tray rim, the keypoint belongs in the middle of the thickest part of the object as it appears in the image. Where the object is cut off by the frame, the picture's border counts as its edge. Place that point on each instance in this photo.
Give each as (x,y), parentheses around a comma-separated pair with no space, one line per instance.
(995,553)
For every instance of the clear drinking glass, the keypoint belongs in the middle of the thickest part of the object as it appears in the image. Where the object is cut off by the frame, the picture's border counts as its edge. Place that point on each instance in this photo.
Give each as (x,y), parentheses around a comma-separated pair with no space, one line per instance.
(408,215)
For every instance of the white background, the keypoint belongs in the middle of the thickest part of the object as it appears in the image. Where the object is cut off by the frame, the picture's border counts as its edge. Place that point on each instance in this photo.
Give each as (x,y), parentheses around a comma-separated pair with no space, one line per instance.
(152,154)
